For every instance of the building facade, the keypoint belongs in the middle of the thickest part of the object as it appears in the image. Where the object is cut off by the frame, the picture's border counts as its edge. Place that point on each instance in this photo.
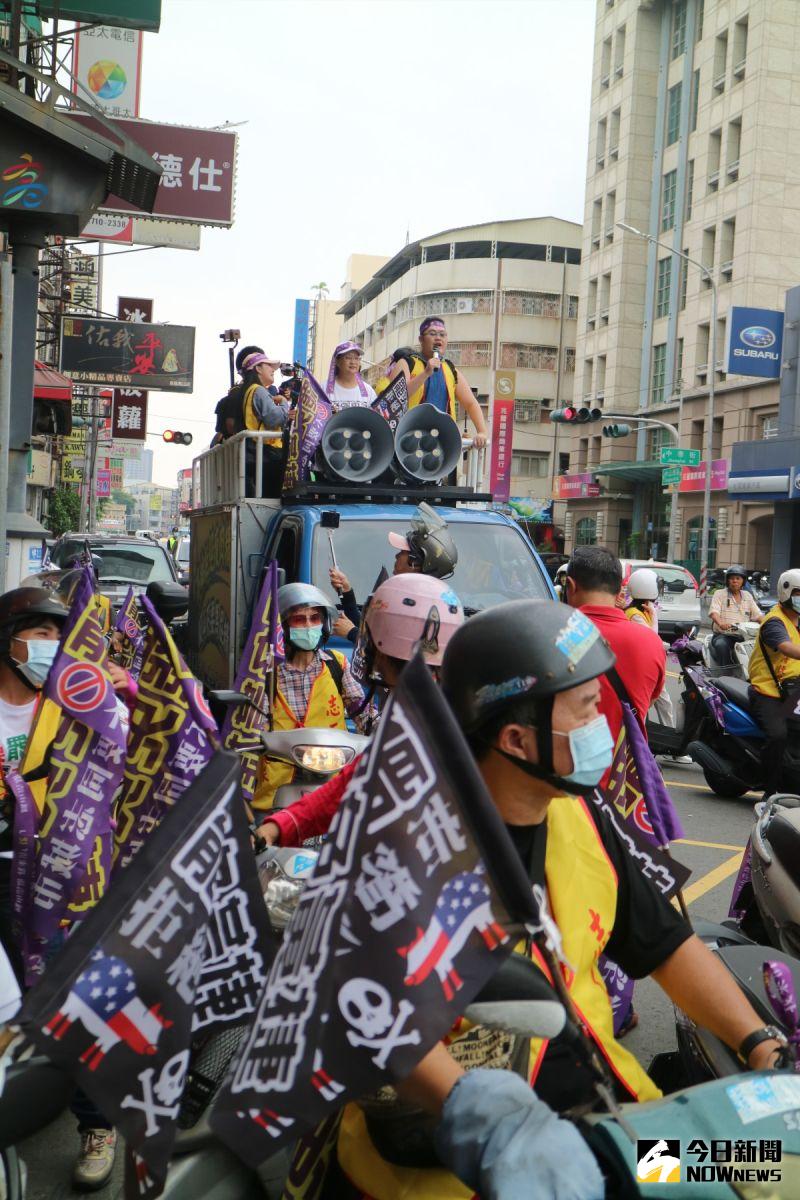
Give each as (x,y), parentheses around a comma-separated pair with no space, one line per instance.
(508,292)
(157,507)
(692,107)
(138,470)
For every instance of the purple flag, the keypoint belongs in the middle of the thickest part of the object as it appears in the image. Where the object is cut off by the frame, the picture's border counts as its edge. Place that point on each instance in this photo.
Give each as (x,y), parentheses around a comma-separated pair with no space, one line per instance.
(173,736)
(127,626)
(740,903)
(313,410)
(86,761)
(264,648)
(393,401)
(636,788)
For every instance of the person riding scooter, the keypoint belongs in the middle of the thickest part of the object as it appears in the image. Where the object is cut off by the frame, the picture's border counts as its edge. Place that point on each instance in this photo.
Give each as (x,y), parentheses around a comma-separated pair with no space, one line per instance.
(314,687)
(407,612)
(774,673)
(730,607)
(642,589)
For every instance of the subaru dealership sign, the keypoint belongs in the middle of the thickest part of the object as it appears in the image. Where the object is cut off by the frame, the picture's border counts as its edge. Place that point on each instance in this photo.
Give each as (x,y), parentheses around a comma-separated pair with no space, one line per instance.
(755,339)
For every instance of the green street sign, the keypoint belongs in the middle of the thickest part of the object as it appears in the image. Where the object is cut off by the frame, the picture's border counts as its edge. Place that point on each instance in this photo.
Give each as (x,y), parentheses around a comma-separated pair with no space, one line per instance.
(671,475)
(676,455)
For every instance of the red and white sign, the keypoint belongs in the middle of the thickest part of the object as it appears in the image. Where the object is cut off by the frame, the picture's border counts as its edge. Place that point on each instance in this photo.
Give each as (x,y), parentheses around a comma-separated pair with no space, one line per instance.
(502,439)
(575,487)
(81,687)
(199,167)
(134,308)
(693,479)
(103,482)
(110,227)
(129,415)
(108,65)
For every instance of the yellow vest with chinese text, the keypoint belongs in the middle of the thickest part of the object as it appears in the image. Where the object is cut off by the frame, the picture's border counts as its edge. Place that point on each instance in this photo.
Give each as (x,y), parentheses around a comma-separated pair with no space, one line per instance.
(325,711)
(785,668)
(582,890)
(417,366)
(252,420)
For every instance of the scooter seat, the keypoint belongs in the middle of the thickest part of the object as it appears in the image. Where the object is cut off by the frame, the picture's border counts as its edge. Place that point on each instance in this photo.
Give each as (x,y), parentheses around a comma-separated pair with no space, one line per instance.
(746,964)
(737,690)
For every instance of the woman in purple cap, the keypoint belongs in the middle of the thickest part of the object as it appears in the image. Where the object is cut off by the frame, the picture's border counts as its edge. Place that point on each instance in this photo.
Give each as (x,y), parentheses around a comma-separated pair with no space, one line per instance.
(433,379)
(345,386)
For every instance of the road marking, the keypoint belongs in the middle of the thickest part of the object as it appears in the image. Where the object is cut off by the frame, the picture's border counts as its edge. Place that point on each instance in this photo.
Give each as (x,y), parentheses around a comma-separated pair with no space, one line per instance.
(673,674)
(701,787)
(707,845)
(712,879)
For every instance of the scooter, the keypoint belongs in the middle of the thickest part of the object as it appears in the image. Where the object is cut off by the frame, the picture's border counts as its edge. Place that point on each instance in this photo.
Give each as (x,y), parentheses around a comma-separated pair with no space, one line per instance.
(315,754)
(742,640)
(766,898)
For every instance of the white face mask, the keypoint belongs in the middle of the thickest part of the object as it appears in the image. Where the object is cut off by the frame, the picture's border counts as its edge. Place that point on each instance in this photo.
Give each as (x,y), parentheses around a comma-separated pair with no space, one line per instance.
(41,656)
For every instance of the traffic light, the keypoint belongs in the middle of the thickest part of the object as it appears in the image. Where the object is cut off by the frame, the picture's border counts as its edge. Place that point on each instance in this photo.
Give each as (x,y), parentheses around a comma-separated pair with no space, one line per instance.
(179,439)
(614,431)
(575,416)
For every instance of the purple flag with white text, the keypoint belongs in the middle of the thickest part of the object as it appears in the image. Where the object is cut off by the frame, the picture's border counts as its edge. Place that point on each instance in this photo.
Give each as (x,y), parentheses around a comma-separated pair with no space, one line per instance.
(312,412)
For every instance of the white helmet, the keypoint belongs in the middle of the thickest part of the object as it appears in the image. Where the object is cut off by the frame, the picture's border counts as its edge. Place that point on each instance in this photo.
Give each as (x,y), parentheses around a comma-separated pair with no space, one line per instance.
(787,582)
(643,584)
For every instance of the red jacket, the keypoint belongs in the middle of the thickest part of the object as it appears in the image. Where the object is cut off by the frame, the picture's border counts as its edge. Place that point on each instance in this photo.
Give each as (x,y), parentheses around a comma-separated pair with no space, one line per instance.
(312,815)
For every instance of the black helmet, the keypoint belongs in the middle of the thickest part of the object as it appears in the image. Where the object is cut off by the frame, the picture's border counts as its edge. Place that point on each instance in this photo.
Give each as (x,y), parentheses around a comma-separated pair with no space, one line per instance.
(22,603)
(429,543)
(525,648)
(736,569)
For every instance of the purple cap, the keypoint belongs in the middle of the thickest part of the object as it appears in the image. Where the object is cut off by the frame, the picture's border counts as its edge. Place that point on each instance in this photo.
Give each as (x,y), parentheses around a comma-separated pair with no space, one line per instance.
(426,324)
(253,360)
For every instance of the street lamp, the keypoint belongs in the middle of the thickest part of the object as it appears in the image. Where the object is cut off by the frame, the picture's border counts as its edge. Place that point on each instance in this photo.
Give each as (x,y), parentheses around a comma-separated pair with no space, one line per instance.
(706,271)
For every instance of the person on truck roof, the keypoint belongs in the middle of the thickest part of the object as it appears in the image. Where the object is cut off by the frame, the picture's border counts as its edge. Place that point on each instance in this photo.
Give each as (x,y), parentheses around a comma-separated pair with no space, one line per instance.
(433,379)
(228,412)
(428,547)
(261,412)
(315,688)
(345,386)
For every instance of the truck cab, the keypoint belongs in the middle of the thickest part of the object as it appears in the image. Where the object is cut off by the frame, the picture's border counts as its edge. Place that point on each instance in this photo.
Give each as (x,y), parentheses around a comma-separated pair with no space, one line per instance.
(233,540)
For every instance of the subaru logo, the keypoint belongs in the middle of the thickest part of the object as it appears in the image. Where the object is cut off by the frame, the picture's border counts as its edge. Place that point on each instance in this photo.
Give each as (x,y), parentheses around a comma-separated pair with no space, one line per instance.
(757,336)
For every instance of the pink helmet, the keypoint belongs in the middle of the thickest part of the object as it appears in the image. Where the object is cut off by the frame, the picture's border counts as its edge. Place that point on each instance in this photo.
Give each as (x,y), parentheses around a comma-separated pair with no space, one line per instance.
(414,610)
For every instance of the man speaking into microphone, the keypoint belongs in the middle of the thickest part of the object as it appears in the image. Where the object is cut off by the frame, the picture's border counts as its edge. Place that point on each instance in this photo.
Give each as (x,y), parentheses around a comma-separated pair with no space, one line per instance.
(433,379)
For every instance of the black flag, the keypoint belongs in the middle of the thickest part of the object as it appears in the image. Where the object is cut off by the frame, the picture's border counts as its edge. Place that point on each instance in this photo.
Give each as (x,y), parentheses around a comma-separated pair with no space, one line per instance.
(393,401)
(402,922)
(180,943)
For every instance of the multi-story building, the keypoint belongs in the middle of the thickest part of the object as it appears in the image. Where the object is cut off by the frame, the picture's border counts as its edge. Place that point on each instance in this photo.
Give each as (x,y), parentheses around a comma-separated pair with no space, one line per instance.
(317,322)
(692,116)
(156,507)
(508,291)
(138,470)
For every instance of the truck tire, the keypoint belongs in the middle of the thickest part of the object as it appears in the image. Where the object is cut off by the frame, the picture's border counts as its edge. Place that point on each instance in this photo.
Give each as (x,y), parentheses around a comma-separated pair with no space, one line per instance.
(724,786)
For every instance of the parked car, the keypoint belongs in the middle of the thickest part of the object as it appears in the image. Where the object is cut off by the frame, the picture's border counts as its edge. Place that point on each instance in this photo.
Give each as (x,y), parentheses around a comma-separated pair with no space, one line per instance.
(679,602)
(181,556)
(123,562)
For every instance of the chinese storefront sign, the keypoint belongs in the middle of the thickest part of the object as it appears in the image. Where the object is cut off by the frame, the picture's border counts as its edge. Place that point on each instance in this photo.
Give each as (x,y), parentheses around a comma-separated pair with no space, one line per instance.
(108,66)
(198,166)
(129,354)
(129,415)
(572,487)
(693,479)
(134,308)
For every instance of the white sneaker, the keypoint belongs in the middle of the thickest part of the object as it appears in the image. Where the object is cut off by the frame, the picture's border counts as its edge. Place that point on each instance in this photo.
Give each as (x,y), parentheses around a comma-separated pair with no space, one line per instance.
(95,1160)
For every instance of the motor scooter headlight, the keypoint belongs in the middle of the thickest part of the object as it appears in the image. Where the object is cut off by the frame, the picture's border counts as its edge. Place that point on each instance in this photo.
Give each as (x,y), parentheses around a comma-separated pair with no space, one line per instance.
(281,894)
(322,759)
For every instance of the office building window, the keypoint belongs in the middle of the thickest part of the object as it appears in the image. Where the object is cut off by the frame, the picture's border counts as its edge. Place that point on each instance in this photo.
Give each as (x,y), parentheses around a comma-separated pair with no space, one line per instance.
(526,411)
(769,426)
(569,361)
(530,465)
(673,113)
(714,157)
(604,297)
(663,283)
(658,374)
(678,28)
(591,303)
(700,15)
(619,52)
(678,383)
(668,193)
(739,49)
(600,153)
(600,376)
(689,187)
(572,308)
(611,215)
(720,61)
(586,532)
(733,149)
(701,349)
(605,64)
(597,223)
(695,100)
(726,248)
(613,134)
(656,439)
(588,377)
(709,251)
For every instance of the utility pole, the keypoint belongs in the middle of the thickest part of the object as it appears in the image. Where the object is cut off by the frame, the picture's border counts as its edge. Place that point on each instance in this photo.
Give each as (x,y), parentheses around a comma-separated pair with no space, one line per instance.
(96,415)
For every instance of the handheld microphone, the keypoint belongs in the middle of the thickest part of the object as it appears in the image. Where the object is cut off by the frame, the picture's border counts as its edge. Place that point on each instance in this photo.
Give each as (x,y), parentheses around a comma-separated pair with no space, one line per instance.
(437,362)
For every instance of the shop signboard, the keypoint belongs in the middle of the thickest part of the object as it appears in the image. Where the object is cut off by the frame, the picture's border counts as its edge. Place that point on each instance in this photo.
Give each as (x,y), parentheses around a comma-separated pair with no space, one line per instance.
(129,354)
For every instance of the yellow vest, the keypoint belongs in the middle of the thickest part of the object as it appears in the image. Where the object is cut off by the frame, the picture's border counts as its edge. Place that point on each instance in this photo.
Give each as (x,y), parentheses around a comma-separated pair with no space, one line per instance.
(103,606)
(35,763)
(639,616)
(325,711)
(417,368)
(582,889)
(783,666)
(251,420)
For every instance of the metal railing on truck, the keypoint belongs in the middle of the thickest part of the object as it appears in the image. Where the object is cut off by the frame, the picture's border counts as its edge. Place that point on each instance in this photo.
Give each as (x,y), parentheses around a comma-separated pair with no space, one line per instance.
(219,475)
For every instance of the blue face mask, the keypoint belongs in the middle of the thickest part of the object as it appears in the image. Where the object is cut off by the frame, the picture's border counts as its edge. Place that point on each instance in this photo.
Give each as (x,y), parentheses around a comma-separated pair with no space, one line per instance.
(796,603)
(41,656)
(306,637)
(592,749)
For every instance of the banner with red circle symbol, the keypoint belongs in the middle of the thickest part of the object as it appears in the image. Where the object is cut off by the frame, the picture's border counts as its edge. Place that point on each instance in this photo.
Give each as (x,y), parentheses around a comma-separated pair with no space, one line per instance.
(82,687)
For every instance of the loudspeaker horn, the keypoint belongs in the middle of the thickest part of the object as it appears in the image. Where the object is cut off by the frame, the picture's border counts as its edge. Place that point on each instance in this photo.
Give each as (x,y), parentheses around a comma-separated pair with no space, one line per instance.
(356,445)
(427,444)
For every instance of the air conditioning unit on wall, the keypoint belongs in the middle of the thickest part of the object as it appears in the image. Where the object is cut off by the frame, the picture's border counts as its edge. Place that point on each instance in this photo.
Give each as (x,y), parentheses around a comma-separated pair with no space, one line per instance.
(465,304)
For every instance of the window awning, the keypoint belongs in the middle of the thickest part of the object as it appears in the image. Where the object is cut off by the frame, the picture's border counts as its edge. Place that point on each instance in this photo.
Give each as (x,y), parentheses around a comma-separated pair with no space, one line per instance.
(49,384)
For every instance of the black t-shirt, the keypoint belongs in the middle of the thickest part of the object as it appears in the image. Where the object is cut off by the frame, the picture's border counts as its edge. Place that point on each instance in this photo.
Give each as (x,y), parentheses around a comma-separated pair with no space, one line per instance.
(647,930)
(230,407)
(773,633)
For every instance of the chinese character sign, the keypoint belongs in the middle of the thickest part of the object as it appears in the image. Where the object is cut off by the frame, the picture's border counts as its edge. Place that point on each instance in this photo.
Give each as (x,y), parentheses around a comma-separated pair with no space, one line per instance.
(131,354)
(129,415)
(108,65)
(313,410)
(263,649)
(399,926)
(502,439)
(181,944)
(134,308)
(198,165)
(86,761)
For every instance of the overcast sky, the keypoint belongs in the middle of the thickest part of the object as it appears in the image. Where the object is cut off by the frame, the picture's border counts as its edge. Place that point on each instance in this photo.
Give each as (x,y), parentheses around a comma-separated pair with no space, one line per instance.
(482,104)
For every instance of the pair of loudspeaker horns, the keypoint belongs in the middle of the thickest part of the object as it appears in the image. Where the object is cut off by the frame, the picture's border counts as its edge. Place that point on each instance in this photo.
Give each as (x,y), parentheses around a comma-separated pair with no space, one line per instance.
(357,445)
